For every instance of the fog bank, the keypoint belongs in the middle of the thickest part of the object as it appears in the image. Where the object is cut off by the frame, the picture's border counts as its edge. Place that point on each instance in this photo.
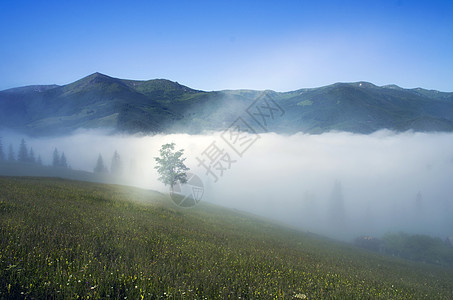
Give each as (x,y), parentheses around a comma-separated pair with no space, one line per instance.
(339,184)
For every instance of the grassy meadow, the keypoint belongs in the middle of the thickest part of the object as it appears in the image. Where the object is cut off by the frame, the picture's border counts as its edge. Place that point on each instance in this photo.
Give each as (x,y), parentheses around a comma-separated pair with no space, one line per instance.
(62,239)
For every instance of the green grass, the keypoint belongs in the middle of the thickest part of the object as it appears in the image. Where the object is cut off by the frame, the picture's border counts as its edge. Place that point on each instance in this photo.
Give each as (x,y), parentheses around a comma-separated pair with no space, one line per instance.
(67,239)
(305,103)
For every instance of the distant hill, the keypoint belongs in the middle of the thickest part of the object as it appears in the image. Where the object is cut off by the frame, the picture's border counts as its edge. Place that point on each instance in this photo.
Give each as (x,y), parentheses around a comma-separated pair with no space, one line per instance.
(100,101)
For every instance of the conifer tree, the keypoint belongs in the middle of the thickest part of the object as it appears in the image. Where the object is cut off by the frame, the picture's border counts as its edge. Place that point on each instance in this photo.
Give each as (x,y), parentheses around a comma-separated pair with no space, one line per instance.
(56,158)
(2,154)
(116,167)
(23,152)
(63,162)
(31,156)
(100,167)
(11,156)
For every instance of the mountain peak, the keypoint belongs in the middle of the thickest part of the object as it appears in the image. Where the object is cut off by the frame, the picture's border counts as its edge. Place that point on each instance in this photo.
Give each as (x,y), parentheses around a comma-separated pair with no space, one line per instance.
(98,75)
(91,80)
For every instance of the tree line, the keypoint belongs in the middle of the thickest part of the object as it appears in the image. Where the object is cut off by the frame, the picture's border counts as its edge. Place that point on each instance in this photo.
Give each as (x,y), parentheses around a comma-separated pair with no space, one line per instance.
(24,155)
(170,164)
(116,166)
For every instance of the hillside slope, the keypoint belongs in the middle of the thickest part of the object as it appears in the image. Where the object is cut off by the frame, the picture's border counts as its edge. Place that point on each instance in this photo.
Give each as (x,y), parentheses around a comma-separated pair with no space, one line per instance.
(65,239)
(100,101)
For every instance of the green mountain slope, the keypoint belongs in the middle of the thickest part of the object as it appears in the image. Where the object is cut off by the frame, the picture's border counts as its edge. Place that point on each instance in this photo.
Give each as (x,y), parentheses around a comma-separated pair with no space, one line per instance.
(96,101)
(363,107)
(100,101)
(63,239)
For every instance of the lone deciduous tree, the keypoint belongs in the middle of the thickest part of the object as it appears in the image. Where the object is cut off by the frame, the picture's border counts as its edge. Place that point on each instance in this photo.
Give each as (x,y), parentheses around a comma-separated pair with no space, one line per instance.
(170,166)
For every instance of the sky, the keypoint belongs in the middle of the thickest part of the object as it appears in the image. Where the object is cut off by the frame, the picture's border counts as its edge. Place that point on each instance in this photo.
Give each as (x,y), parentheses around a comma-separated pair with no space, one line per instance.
(216,45)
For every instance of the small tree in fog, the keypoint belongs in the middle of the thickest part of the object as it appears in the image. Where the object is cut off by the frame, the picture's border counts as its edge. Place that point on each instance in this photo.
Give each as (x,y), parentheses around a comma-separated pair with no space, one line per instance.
(100,167)
(63,161)
(337,211)
(2,154)
(31,156)
(56,158)
(116,167)
(170,166)
(23,152)
(11,156)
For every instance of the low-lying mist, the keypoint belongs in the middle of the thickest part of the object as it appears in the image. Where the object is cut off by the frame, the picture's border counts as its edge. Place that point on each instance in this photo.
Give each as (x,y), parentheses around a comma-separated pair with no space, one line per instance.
(339,184)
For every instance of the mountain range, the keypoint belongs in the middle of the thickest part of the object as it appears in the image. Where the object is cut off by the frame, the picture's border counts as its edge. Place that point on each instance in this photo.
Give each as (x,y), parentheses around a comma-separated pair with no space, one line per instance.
(163,106)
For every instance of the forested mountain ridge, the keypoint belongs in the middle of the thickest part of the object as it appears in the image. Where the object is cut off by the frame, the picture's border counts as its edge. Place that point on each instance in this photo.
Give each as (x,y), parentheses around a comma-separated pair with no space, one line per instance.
(100,101)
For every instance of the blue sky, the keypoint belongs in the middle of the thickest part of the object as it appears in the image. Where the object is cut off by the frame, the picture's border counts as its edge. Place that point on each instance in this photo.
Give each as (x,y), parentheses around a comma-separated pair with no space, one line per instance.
(213,45)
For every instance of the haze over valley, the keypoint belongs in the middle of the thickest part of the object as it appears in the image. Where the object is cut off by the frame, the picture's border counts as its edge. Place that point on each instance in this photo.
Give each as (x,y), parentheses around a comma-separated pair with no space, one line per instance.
(368,180)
